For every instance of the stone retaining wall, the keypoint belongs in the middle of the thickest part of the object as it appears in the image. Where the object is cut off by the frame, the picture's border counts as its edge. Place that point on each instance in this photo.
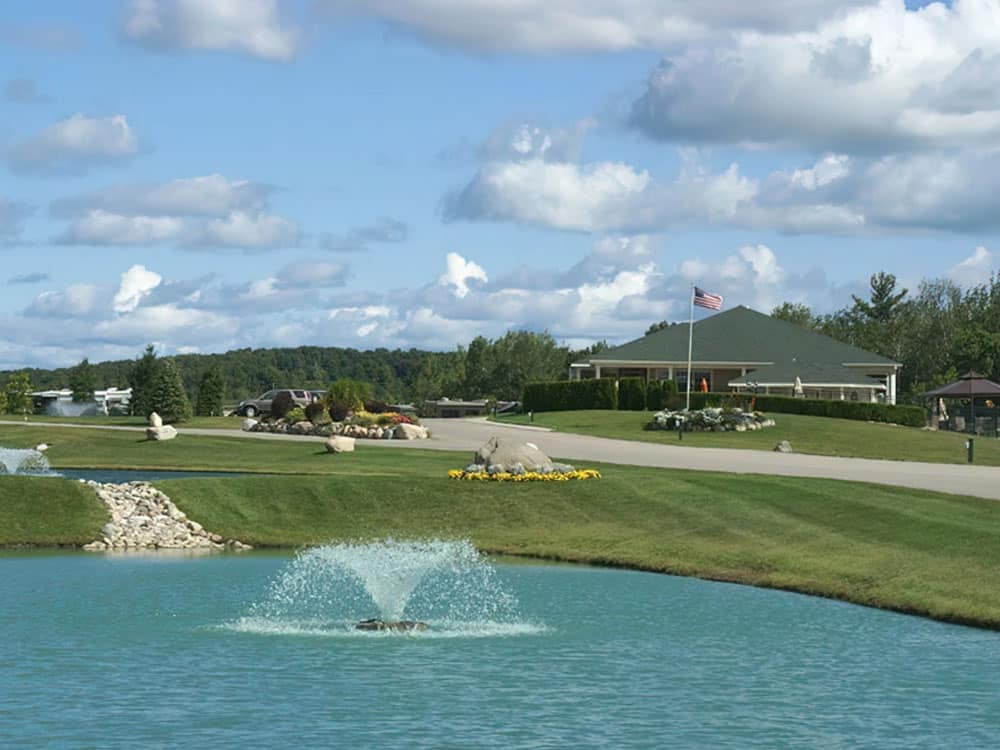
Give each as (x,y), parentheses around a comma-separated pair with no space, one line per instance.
(142,517)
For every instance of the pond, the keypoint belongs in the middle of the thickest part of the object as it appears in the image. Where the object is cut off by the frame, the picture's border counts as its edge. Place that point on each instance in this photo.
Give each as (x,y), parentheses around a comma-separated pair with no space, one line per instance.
(170,651)
(138,475)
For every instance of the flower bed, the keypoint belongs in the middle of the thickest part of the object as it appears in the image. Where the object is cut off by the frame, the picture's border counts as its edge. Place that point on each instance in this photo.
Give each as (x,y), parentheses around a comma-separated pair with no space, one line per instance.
(527,476)
(710,420)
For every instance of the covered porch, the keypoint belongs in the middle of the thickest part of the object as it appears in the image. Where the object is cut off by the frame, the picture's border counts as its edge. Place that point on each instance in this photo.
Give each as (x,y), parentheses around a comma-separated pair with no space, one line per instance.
(971,404)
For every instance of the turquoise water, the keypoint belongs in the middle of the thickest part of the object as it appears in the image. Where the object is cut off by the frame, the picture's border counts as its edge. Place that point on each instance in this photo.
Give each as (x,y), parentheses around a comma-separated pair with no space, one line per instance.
(164,651)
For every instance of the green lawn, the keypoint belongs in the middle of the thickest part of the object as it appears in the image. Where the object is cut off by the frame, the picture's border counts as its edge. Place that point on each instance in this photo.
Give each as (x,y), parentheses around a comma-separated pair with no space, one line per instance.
(818,435)
(907,550)
(48,512)
(221,423)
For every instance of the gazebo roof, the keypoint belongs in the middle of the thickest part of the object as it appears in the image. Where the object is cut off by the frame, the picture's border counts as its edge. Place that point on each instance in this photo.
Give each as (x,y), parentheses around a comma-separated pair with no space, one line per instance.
(970,385)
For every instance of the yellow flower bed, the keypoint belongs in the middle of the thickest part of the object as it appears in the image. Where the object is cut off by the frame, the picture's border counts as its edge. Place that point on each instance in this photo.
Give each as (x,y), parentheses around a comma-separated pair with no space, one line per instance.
(531,476)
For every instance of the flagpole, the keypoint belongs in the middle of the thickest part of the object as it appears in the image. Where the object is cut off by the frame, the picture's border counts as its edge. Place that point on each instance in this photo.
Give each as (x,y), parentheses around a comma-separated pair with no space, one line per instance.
(687,403)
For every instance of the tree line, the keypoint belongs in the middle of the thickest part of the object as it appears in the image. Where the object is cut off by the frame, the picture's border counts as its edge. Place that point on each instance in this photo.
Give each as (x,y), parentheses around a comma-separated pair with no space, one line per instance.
(936,332)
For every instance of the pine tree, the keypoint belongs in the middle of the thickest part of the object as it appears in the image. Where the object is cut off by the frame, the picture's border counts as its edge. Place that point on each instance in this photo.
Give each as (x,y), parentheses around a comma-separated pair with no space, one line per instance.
(82,382)
(168,398)
(143,375)
(210,393)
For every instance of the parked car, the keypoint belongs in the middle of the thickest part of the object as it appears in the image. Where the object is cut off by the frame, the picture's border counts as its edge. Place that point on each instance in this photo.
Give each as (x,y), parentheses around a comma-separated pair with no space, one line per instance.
(260,406)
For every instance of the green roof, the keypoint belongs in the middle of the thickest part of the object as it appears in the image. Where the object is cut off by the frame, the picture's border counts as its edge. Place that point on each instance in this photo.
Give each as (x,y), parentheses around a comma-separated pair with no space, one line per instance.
(813,375)
(741,335)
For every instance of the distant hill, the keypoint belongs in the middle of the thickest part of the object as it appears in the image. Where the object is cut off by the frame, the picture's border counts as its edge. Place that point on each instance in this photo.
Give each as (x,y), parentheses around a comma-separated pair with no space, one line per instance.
(396,374)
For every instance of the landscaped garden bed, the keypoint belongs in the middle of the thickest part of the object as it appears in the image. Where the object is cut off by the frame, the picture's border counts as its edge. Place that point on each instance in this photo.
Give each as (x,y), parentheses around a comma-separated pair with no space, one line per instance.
(710,420)
(360,424)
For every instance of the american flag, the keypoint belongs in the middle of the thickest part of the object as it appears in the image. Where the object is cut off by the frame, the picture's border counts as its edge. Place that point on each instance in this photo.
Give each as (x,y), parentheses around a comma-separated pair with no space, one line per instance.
(707,299)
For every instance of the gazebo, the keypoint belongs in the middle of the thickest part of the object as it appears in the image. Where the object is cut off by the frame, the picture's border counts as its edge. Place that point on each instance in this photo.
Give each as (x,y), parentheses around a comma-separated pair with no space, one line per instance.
(977,409)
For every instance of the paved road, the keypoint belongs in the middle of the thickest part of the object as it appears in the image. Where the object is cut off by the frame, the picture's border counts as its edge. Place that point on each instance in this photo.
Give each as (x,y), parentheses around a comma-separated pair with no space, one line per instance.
(468,434)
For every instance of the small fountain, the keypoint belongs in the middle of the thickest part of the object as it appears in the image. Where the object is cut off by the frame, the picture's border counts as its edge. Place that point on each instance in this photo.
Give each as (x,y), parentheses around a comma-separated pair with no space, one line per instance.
(24,461)
(446,587)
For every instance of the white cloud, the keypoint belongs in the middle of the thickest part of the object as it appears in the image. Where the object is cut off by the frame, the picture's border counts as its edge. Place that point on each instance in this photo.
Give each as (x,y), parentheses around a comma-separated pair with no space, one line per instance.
(75,301)
(103,228)
(252,27)
(975,269)
(305,275)
(460,272)
(137,283)
(75,144)
(828,169)
(870,79)
(249,232)
(198,212)
(208,195)
(583,25)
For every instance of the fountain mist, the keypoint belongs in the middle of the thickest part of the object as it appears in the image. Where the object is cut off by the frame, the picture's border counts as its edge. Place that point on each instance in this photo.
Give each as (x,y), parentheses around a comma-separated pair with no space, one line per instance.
(24,461)
(447,584)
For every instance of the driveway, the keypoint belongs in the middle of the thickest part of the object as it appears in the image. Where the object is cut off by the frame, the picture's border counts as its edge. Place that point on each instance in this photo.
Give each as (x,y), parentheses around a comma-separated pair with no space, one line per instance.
(466,435)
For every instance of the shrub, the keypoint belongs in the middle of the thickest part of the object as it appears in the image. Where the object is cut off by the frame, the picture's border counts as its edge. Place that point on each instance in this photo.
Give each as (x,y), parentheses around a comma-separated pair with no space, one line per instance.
(376,407)
(338,410)
(298,414)
(363,418)
(350,393)
(632,394)
(910,416)
(659,392)
(282,404)
(563,395)
(315,412)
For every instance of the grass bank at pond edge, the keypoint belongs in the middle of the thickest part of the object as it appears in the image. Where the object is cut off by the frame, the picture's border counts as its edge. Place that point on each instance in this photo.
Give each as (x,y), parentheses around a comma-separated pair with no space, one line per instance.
(48,512)
(822,436)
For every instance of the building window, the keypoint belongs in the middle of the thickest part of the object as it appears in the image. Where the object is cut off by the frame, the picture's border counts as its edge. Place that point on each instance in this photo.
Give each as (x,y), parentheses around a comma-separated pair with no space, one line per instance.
(696,377)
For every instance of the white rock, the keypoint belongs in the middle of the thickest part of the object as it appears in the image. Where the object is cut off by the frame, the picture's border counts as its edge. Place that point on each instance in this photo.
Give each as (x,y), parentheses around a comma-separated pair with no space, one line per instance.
(340,444)
(164,432)
(249,424)
(155,420)
(409,432)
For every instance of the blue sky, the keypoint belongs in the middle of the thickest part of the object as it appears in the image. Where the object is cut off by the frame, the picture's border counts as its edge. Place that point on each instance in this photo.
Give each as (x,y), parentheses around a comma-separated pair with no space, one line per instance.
(211,174)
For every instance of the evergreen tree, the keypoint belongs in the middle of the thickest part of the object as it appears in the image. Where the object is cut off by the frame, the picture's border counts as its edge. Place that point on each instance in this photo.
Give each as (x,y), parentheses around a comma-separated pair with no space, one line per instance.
(211,392)
(885,299)
(141,379)
(167,396)
(17,394)
(82,382)
(797,313)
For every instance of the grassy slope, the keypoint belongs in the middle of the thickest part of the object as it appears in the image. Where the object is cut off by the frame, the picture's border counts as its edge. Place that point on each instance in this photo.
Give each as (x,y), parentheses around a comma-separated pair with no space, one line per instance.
(914,551)
(48,512)
(899,549)
(818,435)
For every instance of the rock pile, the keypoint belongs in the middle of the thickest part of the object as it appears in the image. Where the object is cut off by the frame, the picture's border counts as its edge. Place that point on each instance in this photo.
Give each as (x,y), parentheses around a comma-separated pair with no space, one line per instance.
(710,420)
(499,457)
(142,517)
(388,432)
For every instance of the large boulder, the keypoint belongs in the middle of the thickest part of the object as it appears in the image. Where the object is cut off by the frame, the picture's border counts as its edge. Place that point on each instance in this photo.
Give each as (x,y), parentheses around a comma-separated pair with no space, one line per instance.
(249,424)
(301,428)
(155,420)
(504,454)
(340,444)
(783,447)
(164,432)
(405,431)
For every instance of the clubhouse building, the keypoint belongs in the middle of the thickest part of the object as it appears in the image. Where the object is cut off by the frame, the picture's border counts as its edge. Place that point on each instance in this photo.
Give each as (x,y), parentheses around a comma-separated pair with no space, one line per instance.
(746,351)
